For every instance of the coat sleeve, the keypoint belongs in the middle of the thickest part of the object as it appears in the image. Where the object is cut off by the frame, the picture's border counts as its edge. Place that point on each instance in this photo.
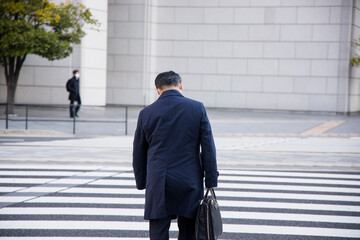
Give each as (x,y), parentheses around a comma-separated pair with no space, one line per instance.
(70,86)
(140,147)
(208,151)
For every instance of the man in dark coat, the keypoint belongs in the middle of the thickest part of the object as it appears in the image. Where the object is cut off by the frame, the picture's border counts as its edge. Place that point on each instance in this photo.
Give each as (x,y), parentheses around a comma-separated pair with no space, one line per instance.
(73,87)
(167,161)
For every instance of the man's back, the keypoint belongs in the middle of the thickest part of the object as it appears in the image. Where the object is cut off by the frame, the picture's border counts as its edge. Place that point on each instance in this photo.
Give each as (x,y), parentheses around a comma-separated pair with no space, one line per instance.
(172,128)
(166,157)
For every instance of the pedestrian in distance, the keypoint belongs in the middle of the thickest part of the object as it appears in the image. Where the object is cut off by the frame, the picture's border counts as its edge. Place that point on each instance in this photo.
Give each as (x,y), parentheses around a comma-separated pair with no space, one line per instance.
(167,160)
(73,87)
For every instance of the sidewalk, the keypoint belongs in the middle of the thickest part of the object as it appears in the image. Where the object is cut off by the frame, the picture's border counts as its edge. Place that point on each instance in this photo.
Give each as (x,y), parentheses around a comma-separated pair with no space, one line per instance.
(243,139)
(224,123)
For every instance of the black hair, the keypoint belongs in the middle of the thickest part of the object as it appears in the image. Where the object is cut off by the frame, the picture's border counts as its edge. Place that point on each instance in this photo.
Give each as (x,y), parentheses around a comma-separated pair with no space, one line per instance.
(167,79)
(75,71)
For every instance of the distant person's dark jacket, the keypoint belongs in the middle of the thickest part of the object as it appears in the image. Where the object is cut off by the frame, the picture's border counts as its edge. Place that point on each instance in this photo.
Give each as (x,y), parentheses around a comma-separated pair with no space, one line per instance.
(166,155)
(73,88)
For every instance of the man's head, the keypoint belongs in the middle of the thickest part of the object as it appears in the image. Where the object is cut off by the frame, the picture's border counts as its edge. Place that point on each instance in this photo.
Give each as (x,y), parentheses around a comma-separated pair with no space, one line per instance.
(76,73)
(168,80)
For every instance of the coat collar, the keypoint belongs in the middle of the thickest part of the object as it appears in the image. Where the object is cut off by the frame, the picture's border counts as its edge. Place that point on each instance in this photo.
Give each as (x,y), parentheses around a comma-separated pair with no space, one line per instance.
(171,92)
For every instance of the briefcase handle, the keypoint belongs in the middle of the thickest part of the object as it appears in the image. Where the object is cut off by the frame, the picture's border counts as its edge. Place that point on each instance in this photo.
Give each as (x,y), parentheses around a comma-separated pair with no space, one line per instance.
(212,192)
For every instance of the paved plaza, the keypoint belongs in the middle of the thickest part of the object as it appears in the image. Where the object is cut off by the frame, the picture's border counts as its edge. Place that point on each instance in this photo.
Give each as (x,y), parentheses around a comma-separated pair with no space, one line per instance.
(243,138)
(282,176)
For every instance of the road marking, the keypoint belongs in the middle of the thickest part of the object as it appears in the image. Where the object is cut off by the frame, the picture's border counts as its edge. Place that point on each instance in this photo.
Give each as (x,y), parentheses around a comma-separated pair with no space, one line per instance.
(221,185)
(283,174)
(140,213)
(94,200)
(284,230)
(290,180)
(106,201)
(144,226)
(322,128)
(54,173)
(11,140)
(73,238)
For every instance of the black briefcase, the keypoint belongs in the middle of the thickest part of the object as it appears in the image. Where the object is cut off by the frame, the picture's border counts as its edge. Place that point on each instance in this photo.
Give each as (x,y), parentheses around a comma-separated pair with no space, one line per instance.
(208,225)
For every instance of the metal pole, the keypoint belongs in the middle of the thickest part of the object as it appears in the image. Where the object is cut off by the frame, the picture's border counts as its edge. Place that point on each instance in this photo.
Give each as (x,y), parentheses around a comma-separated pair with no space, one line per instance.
(27,117)
(7,115)
(126,120)
(74,123)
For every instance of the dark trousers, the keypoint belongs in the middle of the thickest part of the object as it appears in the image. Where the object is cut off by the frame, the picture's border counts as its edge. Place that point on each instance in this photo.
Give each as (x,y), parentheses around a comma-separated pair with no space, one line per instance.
(159,228)
(77,107)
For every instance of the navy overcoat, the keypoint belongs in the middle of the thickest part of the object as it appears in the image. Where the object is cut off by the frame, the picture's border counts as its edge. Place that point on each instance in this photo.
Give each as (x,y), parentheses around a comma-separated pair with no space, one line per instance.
(166,156)
(73,87)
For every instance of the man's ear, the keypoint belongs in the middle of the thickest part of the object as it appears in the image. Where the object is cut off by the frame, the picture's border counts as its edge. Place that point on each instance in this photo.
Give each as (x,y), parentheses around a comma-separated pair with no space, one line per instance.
(158,91)
(180,86)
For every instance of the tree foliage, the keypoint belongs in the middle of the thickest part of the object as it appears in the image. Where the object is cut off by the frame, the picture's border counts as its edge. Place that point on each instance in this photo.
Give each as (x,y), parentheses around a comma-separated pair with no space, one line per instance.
(38,27)
(41,27)
(355,61)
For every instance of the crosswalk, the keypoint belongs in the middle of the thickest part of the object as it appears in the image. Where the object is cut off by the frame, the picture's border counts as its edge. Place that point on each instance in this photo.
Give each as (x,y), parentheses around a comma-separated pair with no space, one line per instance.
(50,202)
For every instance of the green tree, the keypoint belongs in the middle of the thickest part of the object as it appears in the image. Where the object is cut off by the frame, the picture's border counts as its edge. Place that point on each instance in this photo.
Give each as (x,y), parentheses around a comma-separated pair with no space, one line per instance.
(355,61)
(37,27)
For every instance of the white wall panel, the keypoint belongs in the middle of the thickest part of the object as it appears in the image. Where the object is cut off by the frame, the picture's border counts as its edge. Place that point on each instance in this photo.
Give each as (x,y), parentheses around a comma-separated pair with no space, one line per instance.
(293,102)
(295,67)
(188,48)
(278,84)
(261,100)
(203,32)
(264,33)
(250,15)
(327,33)
(233,32)
(232,66)
(263,67)
(296,33)
(187,15)
(279,50)
(216,83)
(245,84)
(217,49)
(310,85)
(313,15)
(219,15)
(248,50)
(280,15)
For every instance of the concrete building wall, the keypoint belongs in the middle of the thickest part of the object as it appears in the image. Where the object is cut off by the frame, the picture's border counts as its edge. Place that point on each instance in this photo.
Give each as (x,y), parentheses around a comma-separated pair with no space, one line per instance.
(282,55)
(354,93)
(250,54)
(125,56)
(42,81)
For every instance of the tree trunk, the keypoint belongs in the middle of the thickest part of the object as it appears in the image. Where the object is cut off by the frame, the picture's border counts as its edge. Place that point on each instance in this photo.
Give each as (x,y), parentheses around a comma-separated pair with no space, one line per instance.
(12,67)
(11,90)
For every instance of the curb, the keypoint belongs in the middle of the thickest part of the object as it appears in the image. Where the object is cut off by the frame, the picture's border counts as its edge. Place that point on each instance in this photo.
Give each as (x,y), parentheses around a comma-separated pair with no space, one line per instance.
(34,133)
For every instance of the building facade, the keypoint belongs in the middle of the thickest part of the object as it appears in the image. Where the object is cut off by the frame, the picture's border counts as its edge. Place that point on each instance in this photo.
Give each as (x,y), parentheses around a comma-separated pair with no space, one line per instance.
(246,54)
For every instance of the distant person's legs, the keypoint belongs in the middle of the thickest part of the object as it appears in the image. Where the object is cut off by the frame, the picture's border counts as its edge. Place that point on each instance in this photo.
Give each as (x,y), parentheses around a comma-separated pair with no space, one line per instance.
(77,108)
(159,229)
(186,228)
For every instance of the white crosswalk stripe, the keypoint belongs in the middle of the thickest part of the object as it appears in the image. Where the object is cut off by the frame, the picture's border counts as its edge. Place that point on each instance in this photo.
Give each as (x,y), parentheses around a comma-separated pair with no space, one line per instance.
(93,203)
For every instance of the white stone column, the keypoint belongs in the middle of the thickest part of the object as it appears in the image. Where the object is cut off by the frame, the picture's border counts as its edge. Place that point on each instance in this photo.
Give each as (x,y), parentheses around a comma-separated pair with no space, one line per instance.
(343,88)
(354,86)
(92,54)
(149,92)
